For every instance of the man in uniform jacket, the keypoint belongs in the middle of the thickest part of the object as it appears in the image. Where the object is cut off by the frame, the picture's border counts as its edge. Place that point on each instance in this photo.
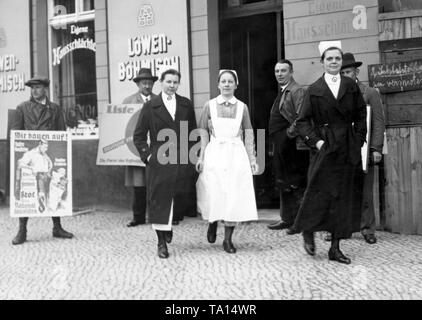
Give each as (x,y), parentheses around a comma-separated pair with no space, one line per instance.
(171,177)
(372,98)
(135,176)
(290,160)
(39,113)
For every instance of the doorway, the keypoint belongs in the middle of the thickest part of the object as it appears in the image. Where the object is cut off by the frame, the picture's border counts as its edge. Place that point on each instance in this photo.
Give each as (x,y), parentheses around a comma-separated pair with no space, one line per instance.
(249,46)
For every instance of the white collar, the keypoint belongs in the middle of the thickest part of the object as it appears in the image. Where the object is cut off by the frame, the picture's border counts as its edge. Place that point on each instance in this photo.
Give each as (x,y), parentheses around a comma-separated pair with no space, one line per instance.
(43,101)
(284,87)
(145,97)
(165,97)
(332,78)
(221,100)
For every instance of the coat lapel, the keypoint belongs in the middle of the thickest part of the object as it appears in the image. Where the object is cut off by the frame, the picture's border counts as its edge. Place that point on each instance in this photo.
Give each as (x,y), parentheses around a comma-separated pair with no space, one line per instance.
(42,113)
(326,92)
(283,96)
(321,89)
(181,110)
(162,112)
(342,90)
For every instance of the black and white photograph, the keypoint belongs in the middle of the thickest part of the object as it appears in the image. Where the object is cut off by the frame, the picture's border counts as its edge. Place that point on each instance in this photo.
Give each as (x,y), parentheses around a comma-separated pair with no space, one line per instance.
(208,158)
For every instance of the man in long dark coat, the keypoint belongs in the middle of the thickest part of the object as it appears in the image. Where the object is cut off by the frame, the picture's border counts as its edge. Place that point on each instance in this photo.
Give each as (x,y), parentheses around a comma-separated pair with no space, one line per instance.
(39,113)
(135,176)
(171,177)
(290,164)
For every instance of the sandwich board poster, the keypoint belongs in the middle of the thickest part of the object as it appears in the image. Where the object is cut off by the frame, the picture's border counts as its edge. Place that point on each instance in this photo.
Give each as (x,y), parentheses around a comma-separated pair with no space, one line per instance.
(116,147)
(40,173)
(366,144)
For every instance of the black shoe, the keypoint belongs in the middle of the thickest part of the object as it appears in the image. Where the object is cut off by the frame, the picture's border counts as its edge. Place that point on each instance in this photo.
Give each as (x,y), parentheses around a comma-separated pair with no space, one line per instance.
(279,225)
(228,247)
(291,231)
(370,238)
(135,223)
(327,237)
(20,237)
(168,235)
(212,232)
(175,222)
(337,255)
(309,243)
(61,233)
(162,251)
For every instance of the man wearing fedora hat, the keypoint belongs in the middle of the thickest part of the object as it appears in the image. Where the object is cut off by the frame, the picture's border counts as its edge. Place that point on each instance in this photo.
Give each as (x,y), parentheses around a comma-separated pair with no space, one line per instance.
(135,176)
(372,98)
(39,113)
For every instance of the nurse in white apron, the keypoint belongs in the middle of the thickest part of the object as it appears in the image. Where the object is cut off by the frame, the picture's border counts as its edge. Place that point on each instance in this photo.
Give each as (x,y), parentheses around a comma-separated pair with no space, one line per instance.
(225,189)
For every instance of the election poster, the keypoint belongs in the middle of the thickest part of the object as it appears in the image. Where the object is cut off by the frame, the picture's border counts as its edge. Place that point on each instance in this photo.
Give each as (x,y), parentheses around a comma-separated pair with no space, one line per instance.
(365,148)
(117,125)
(40,173)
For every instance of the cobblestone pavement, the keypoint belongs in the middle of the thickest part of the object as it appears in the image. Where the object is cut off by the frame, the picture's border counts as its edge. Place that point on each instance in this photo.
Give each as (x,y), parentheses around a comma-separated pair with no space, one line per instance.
(107,260)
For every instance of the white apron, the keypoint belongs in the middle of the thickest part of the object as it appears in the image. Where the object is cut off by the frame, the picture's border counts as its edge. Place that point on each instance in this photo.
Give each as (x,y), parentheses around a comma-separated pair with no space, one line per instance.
(225,187)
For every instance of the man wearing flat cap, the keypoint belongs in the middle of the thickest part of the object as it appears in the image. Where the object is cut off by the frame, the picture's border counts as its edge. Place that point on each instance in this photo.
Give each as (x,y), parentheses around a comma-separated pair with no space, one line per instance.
(39,113)
(135,176)
(372,98)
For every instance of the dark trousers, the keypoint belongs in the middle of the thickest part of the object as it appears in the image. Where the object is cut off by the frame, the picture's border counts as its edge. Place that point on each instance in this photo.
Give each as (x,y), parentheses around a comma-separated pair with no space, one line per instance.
(139,204)
(290,169)
(290,203)
(24,221)
(368,213)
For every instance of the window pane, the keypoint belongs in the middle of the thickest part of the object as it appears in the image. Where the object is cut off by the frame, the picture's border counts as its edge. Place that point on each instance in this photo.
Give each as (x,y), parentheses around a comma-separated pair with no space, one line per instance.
(399,5)
(74,74)
(88,5)
(62,7)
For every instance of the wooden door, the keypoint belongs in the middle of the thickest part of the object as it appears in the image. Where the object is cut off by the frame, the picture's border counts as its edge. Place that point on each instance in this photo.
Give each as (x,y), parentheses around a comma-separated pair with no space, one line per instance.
(403,163)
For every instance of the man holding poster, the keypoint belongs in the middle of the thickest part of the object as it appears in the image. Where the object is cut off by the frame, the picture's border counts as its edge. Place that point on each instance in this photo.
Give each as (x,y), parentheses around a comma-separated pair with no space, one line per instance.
(135,176)
(39,113)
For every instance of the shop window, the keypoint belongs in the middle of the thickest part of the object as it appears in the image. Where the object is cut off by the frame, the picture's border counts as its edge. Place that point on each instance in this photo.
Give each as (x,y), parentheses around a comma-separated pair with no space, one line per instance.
(73,68)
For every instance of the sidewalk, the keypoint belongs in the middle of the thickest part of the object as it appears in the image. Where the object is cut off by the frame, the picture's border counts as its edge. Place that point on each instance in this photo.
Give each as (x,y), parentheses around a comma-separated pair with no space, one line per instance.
(107,260)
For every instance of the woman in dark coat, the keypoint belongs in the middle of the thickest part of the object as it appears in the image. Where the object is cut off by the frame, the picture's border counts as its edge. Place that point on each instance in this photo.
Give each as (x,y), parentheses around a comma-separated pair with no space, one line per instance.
(168,119)
(333,123)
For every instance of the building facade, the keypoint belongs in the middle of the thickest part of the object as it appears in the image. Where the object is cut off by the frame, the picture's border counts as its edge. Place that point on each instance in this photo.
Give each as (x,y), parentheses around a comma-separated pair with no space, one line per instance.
(92,49)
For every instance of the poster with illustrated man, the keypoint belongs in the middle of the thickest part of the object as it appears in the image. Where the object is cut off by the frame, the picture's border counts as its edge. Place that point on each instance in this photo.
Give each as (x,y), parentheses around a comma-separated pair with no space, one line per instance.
(40,174)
